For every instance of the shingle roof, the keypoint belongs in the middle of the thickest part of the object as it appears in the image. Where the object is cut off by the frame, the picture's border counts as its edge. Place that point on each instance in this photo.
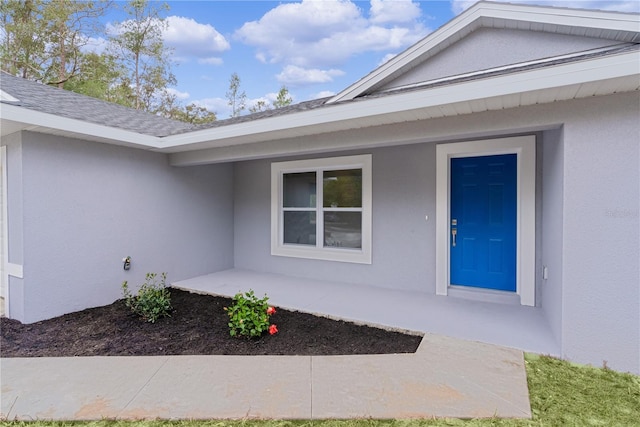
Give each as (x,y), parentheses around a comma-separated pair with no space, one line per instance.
(293,108)
(48,99)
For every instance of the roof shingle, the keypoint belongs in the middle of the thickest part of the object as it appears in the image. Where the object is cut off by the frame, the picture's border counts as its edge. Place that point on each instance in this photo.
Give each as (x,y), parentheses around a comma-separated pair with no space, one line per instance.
(52,100)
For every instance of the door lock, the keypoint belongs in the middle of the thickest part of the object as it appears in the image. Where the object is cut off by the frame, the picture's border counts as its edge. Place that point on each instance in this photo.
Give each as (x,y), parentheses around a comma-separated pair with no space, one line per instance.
(454,231)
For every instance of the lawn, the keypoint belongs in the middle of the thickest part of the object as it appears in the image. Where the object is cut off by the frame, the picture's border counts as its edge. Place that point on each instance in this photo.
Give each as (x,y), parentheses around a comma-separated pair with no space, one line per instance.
(562,394)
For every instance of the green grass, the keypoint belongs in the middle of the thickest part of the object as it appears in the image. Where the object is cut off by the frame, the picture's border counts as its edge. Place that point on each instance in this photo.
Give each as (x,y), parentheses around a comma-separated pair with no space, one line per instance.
(561,393)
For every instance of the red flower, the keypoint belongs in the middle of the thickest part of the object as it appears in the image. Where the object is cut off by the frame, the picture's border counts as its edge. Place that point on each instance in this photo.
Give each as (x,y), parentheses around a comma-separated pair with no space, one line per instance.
(273,329)
(271,310)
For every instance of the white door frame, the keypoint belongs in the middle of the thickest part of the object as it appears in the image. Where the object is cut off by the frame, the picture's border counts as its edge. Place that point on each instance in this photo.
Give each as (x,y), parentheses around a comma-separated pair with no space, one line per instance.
(525,148)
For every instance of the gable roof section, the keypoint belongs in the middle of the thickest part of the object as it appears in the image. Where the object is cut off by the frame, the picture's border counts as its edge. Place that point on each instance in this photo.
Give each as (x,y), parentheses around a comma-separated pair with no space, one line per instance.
(615,26)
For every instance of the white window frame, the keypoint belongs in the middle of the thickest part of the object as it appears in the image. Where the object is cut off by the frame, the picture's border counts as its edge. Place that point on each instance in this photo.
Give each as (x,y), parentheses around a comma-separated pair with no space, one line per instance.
(279,248)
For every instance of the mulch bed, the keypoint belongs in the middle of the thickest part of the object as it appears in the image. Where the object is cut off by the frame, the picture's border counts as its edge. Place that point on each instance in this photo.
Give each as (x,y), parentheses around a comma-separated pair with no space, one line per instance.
(197,326)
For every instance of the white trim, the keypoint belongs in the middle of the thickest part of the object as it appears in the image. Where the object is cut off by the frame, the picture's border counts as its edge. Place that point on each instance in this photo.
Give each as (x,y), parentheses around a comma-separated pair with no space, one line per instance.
(188,147)
(4,274)
(5,97)
(502,68)
(618,26)
(278,248)
(31,120)
(14,270)
(524,147)
(406,106)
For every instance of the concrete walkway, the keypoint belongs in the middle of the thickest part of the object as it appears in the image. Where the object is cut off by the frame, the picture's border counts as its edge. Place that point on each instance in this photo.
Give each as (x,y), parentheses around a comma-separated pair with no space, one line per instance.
(446,377)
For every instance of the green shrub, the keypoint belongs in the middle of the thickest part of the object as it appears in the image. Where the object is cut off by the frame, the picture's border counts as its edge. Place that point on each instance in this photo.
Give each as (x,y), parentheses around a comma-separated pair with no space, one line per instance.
(153,300)
(249,316)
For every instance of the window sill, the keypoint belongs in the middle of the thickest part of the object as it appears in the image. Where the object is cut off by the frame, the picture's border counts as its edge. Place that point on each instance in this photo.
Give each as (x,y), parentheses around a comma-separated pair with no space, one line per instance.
(356,256)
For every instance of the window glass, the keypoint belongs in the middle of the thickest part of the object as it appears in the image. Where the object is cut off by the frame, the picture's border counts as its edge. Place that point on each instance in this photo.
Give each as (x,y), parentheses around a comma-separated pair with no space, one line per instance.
(321,208)
(299,190)
(300,228)
(342,188)
(343,229)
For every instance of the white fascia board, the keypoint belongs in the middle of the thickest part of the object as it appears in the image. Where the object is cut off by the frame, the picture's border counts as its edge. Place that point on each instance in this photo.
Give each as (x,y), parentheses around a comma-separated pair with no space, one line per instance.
(472,18)
(622,65)
(615,66)
(4,96)
(31,118)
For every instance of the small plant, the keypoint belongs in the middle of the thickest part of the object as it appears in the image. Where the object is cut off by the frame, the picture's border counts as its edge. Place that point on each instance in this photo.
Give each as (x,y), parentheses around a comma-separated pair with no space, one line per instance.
(249,316)
(153,300)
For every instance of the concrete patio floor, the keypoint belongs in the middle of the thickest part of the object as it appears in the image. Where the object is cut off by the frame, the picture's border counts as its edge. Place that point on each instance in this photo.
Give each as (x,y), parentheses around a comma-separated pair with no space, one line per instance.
(505,324)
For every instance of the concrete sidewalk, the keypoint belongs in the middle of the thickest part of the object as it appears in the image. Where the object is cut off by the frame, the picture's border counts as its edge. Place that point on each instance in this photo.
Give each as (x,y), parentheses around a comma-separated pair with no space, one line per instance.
(446,377)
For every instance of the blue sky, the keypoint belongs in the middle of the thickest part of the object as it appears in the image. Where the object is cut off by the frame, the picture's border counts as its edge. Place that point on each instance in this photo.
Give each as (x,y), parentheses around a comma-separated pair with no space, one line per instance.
(314,47)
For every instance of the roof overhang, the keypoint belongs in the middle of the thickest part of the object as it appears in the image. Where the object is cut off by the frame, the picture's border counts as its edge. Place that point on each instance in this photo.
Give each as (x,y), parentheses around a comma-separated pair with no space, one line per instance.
(599,76)
(608,75)
(15,118)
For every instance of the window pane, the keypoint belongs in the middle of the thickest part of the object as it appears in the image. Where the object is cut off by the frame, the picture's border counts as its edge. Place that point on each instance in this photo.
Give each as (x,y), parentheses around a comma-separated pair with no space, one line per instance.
(299,190)
(343,188)
(300,228)
(343,229)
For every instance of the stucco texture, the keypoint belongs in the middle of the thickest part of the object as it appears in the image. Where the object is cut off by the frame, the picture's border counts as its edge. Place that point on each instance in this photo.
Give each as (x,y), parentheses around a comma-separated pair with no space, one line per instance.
(86,206)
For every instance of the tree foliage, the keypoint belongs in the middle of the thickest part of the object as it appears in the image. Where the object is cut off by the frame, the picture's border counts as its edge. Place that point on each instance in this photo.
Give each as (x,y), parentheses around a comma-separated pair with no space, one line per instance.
(140,47)
(42,40)
(236,98)
(282,100)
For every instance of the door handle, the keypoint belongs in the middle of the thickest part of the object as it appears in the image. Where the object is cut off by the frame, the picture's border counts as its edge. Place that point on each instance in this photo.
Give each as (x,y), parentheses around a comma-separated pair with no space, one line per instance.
(454,231)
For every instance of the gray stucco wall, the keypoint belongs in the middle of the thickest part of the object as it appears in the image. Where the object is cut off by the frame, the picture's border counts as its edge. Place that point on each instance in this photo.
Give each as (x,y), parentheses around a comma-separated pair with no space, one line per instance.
(551,229)
(488,48)
(589,219)
(601,250)
(403,250)
(87,205)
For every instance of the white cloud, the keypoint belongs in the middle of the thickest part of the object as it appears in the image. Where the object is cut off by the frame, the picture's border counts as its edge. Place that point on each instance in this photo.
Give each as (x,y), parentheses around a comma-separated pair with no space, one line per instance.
(189,38)
(457,6)
(294,75)
(396,11)
(217,105)
(210,61)
(323,94)
(177,93)
(322,34)
(386,58)
(95,44)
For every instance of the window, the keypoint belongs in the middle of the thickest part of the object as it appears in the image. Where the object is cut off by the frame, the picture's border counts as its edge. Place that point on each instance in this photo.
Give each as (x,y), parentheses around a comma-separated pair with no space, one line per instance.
(321,209)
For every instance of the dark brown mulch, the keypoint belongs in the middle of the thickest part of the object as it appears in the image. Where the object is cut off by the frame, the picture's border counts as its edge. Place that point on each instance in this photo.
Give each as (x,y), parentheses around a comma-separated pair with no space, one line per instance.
(198,325)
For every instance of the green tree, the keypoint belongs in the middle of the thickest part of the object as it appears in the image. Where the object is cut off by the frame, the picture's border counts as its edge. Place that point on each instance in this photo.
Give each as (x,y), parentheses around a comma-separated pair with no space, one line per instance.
(236,99)
(140,47)
(195,114)
(69,23)
(283,99)
(101,76)
(260,105)
(42,40)
(23,44)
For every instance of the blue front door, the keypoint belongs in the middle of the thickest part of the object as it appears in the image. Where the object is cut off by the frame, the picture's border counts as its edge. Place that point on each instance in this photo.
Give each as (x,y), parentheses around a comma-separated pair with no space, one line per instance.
(482,236)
